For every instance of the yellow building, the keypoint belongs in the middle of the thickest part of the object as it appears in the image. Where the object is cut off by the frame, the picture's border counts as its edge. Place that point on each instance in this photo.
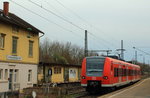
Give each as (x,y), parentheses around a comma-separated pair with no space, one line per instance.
(19,52)
(59,73)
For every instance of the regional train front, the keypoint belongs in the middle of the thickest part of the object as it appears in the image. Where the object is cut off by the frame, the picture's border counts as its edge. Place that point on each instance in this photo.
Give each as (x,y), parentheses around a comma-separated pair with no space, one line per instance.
(92,73)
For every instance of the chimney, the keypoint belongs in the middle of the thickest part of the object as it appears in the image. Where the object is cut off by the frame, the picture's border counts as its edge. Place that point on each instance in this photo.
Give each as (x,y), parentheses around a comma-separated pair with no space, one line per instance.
(6,8)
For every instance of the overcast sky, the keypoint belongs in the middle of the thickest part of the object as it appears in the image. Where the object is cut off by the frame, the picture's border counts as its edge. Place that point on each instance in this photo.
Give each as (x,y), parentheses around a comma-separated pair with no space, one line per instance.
(107,21)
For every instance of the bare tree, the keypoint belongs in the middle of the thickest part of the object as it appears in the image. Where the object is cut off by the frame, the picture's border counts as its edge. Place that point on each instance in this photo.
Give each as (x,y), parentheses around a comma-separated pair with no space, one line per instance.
(56,52)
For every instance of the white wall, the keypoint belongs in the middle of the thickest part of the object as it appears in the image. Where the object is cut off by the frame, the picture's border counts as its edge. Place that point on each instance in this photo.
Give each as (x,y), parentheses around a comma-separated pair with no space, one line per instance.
(22,75)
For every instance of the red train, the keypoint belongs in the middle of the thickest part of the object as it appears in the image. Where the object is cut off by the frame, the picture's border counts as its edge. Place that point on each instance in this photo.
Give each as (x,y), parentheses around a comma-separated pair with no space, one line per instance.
(104,72)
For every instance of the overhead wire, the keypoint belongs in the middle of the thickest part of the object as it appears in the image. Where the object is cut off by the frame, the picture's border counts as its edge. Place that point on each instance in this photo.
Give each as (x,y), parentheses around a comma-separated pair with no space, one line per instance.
(142,51)
(69,21)
(55,8)
(93,36)
(100,39)
(71,11)
(44,18)
(56,15)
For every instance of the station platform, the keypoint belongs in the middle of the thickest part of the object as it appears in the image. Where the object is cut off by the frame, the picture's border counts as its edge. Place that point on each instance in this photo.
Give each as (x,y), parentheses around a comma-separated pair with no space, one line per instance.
(138,90)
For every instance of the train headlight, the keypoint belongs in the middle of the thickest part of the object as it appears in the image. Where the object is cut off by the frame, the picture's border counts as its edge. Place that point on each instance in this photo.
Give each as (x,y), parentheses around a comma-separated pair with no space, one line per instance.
(105,77)
(83,77)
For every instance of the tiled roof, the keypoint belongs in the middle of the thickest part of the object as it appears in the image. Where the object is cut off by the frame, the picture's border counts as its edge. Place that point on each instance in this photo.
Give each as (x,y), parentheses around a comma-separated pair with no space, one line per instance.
(13,19)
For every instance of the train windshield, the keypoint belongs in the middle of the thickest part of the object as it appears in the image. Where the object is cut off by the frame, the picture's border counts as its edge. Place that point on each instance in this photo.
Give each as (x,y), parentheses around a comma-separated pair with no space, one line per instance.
(94,66)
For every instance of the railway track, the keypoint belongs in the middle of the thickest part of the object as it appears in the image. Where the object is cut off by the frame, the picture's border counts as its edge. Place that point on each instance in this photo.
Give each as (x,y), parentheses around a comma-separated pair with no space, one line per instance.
(104,92)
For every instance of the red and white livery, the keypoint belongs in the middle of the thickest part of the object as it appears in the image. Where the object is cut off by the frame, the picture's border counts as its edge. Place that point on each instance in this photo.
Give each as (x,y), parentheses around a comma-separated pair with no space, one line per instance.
(101,72)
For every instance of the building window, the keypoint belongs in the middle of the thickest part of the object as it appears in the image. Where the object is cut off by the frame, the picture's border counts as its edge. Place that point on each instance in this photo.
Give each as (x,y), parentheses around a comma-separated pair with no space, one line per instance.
(16,75)
(14,45)
(2,39)
(6,74)
(1,74)
(29,75)
(30,48)
(57,70)
(15,29)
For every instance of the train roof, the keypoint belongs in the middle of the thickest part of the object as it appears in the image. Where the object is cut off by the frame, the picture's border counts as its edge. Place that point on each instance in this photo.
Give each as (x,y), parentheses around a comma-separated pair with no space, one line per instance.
(96,57)
(115,60)
(122,62)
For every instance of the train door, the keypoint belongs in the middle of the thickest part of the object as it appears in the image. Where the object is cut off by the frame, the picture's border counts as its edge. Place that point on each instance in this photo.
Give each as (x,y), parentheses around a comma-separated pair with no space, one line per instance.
(126,73)
(133,74)
(123,73)
(120,74)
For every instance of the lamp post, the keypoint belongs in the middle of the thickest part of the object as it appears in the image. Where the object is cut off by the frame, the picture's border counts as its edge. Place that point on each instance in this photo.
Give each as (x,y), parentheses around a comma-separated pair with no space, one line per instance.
(135,56)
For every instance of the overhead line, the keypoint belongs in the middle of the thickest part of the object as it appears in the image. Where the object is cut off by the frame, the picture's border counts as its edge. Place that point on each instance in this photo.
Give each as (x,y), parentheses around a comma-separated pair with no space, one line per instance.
(54,8)
(141,51)
(71,11)
(43,17)
(57,15)
(101,39)
(77,15)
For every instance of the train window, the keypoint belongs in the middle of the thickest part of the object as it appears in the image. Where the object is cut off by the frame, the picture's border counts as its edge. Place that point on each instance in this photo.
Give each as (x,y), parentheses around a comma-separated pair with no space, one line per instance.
(131,72)
(115,72)
(128,72)
(94,66)
(124,72)
(120,72)
(135,72)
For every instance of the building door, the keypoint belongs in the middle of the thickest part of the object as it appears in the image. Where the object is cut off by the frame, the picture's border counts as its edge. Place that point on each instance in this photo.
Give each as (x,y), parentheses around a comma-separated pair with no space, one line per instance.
(11,79)
(66,74)
(49,75)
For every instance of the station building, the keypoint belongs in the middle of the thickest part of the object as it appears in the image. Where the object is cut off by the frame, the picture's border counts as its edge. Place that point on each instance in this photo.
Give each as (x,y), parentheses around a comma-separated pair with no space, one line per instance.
(58,73)
(19,52)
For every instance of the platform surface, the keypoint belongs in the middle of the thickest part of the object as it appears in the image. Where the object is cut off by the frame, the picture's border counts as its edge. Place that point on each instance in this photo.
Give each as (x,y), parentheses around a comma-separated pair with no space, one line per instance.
(138,90)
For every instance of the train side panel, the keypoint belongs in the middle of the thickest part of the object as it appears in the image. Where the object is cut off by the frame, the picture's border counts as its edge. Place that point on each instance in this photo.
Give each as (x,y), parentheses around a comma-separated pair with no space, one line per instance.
(114,73)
